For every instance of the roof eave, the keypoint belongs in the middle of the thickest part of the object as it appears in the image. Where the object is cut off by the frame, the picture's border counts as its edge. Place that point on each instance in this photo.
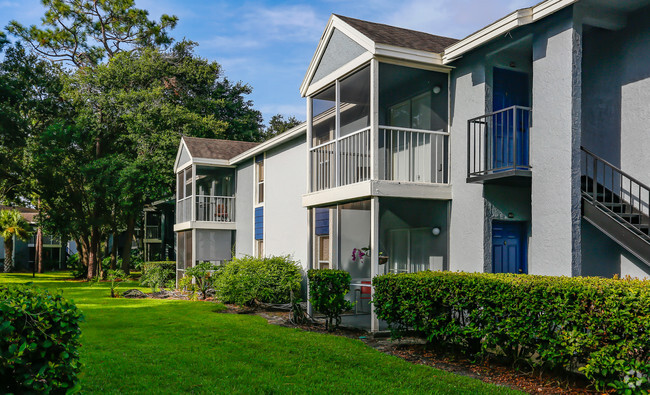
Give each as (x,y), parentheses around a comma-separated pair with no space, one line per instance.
(497,29)
(270,143)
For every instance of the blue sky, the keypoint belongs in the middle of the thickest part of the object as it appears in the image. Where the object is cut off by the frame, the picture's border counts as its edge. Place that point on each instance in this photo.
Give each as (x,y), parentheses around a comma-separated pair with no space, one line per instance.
(268,44)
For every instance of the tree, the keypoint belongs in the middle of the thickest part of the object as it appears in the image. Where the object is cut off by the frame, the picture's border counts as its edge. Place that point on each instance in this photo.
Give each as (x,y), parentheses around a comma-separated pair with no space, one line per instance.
(85,32)
(278,125)
(132,95)
(12,224)
(29,100)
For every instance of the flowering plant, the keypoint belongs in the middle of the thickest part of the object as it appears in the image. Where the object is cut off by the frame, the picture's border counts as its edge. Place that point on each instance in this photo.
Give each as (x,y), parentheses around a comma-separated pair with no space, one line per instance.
(359,253)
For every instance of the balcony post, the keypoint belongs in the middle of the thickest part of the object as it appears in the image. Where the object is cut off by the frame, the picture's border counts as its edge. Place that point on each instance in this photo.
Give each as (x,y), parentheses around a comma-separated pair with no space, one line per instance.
(514,138)
(337,135)
(374,256)
(374,119)
(193,199)
(310,168)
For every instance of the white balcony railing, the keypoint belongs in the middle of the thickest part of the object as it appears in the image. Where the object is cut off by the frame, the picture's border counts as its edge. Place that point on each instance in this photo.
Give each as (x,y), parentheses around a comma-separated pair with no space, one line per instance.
(215,208)
(323,166)
(413,155)
(354,159)
(407,155)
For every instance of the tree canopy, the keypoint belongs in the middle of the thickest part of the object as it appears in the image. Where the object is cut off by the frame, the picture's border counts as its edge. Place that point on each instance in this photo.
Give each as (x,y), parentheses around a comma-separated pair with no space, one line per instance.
(101,137)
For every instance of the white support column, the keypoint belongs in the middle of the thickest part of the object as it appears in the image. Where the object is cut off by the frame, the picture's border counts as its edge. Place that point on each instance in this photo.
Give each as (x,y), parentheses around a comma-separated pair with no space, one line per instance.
(193,199)
(334,238)
(374,119)
(374,255)
(310,243)
(337,136)
(310,117)
(193,257)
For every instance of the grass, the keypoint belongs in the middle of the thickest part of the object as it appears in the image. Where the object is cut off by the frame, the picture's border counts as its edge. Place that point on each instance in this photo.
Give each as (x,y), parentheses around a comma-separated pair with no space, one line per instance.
(163,346)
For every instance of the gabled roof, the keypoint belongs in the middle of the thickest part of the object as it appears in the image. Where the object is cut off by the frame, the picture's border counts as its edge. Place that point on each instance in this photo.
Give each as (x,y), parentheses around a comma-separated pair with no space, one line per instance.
(399,37)
(216,148)
(378,40)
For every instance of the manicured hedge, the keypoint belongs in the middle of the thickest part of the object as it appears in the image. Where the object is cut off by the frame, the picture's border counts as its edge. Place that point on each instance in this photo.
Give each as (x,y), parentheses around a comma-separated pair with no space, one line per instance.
(39,337)
(249,280)
(327,290)
(600,327)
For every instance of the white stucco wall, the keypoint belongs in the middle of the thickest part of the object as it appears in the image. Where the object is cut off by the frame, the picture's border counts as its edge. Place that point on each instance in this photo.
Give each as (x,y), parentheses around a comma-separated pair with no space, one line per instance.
(554,145)
(244,209)
(467,207)
(286,228)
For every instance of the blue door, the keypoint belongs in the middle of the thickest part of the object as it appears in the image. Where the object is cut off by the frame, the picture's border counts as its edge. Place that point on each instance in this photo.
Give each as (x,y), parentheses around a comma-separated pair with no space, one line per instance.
(510,88)
(509,247)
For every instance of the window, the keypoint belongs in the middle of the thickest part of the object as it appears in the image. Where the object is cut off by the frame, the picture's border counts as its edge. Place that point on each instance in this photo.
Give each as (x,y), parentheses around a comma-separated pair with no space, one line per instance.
(259,177)
(322,238)
(259,248)
(323,252)
(412,113)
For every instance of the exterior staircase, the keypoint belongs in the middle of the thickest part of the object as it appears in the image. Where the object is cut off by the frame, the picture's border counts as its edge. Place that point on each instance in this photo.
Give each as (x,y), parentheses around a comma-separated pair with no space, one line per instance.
(617,204)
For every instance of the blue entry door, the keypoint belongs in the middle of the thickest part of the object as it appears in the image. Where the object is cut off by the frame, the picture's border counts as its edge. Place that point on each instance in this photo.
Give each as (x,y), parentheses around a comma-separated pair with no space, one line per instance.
(509,247)
(509,88)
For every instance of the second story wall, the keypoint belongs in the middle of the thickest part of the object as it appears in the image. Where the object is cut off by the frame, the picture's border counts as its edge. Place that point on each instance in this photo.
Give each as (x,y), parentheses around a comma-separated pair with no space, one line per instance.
(286,220)
(244,208)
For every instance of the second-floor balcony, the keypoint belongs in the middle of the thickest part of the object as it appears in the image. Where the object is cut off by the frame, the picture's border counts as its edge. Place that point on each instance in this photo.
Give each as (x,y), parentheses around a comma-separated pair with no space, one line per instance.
(404,154)
(498,147)
(383,123)
(204,194)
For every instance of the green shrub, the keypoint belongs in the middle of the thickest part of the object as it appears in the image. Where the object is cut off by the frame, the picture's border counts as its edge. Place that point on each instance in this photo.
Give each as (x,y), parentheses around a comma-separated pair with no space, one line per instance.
(327,290)
(76,267)
(599,325)
(204,275)
(250,280)
(39,337)
(160,274)
(115,276)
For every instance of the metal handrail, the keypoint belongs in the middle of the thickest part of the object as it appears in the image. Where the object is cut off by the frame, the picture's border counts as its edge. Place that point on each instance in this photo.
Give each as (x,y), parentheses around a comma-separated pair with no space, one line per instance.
(500,111)
(616,168)
(492,141)
(607,178)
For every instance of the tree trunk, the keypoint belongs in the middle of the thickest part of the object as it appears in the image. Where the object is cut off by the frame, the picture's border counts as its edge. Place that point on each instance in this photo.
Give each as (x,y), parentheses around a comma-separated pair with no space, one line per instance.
(38,256)
(114,250)
(126,251)
(93,253)
(9,254)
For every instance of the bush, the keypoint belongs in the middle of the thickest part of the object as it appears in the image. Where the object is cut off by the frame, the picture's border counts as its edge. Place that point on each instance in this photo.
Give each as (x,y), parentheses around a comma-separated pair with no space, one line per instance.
(39,337)
(204,275)
(249,280)
(76,267)
(327,290)
(599,325)
(160,274)
(115,276)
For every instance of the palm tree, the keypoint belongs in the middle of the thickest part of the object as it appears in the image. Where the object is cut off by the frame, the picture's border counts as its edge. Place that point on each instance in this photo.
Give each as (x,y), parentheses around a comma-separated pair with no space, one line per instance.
(12,224)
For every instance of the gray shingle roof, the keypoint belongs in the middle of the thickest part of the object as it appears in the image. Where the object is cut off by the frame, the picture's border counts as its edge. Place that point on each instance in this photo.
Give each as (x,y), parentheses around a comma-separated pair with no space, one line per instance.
(216,148)
(405,38)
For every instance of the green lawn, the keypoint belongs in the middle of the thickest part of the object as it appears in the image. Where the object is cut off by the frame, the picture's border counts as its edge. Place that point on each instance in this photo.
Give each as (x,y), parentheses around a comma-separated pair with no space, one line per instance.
(158,346)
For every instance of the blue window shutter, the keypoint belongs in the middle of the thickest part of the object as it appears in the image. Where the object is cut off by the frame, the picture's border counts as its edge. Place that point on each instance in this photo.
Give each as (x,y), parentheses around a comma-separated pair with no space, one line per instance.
(259,223)
(322,221)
